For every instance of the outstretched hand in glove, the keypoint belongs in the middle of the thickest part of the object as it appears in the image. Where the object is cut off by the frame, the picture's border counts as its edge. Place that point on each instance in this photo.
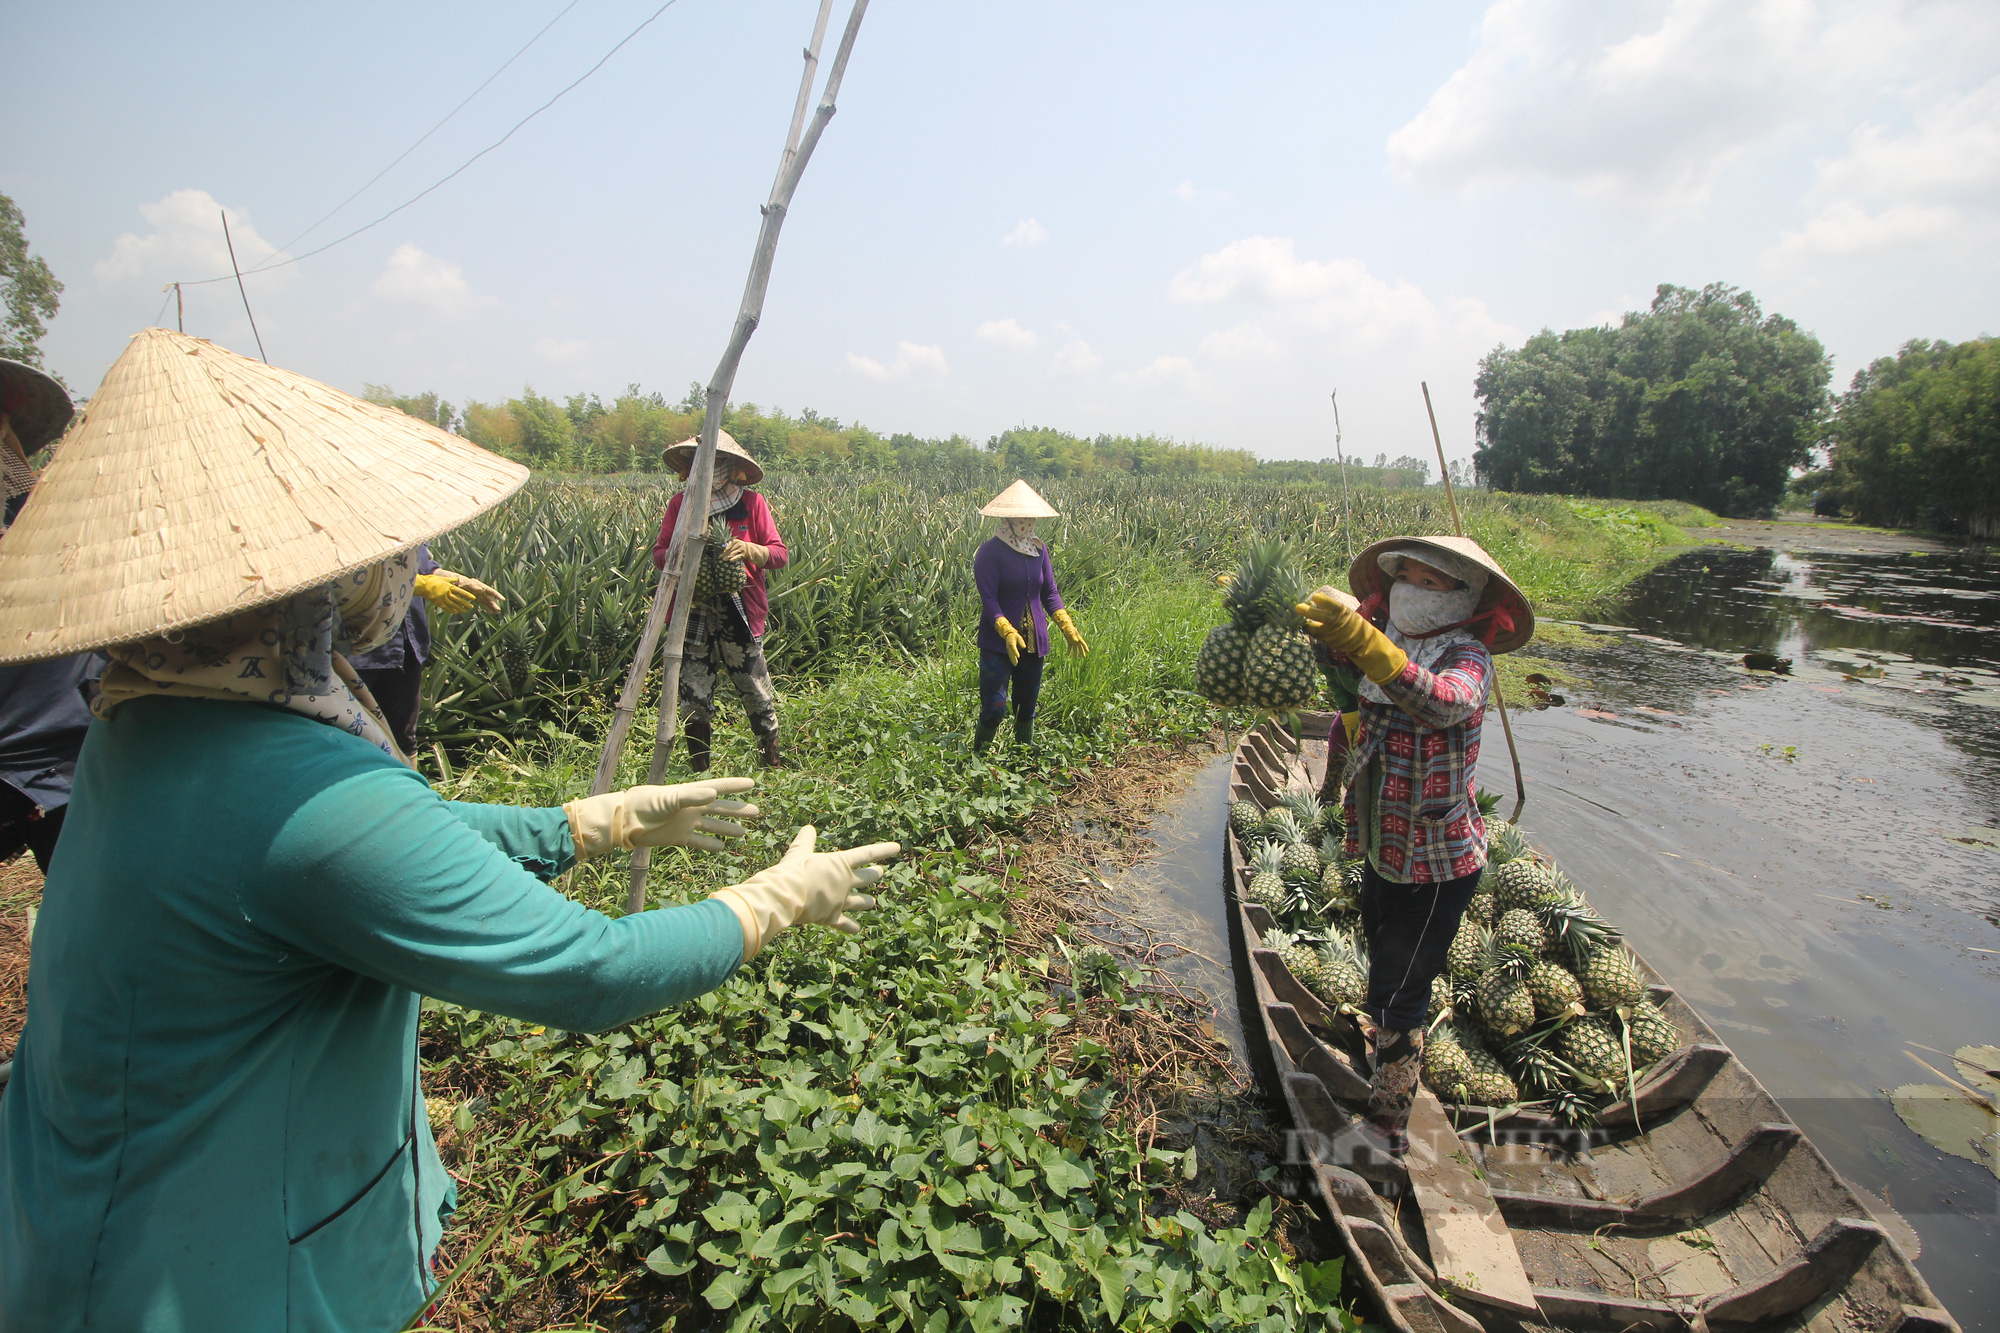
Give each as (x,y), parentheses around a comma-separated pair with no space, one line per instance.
(691,814)
(809,886)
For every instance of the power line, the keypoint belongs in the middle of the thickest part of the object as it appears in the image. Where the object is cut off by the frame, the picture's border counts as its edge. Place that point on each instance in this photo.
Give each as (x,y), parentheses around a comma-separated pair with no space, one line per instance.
(269,267)
(239,288)
(433,129)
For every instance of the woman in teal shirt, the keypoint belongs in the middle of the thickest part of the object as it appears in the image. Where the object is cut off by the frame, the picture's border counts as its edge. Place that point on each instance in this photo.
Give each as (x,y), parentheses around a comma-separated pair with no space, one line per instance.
(216,1118)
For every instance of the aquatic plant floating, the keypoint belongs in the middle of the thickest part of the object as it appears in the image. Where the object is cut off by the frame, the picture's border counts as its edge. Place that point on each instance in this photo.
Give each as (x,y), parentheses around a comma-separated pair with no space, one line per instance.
(1963,1118)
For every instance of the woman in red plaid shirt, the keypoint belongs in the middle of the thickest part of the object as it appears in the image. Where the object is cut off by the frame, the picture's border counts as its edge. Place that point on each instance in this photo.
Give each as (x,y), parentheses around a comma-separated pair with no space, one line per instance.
(1444,607)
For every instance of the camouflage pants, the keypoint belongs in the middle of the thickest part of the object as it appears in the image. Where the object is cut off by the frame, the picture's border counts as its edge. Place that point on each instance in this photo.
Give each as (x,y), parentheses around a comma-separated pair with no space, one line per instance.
(719,641)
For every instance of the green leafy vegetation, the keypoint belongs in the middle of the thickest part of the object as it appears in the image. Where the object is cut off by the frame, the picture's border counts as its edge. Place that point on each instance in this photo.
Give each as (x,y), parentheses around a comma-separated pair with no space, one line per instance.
(1916,439)
(1701,398)
(29,292)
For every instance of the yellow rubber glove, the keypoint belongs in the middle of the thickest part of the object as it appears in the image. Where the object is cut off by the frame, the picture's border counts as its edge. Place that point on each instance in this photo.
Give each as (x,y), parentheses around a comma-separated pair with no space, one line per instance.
(816,888)
(1332,619)
(687,815)
(1011,637)
(489,599)
(748,552)
(1352,721)
(443,593)
(1072,633)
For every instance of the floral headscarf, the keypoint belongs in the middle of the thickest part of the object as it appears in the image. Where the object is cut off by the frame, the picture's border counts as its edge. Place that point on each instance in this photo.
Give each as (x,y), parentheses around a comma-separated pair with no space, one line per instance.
(1019,533)
(291,653)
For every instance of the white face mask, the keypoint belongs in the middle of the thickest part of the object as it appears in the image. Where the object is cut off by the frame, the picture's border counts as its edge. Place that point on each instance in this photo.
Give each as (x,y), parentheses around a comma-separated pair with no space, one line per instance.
(1415,609)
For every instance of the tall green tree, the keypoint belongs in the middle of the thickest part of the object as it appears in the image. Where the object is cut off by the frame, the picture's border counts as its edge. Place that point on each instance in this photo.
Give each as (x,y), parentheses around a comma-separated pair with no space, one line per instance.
(1703,397)
(1916,438)
(423,406)
(29,293)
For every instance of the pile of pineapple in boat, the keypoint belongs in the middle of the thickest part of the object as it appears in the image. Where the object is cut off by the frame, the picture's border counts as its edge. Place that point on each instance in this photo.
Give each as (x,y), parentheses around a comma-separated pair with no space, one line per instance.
(1540,1005)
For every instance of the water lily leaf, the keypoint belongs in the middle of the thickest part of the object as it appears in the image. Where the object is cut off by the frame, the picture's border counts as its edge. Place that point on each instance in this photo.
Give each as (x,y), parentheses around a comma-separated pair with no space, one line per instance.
(1979,1066)
(1947,1119)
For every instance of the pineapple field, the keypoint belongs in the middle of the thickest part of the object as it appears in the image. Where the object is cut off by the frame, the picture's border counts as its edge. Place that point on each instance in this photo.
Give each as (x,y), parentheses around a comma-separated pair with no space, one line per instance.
(913,1127)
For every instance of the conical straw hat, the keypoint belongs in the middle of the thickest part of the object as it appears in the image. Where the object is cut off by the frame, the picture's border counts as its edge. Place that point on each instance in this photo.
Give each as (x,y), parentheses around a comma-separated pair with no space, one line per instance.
(1019,501)
(40,409)
(1453,555)
(682,455)
(199,483)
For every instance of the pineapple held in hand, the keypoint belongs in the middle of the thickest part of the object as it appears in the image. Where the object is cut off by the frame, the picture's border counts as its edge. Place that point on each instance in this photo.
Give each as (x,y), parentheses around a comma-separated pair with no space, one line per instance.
(719,577)
(1262,657)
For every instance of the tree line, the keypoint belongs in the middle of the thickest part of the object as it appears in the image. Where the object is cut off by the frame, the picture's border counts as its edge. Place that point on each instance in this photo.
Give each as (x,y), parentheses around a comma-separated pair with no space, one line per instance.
(1916,439)
(581,433)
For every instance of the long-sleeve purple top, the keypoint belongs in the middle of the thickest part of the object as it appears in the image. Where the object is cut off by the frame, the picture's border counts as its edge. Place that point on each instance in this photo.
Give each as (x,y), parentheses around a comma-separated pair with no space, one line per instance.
(1019,587)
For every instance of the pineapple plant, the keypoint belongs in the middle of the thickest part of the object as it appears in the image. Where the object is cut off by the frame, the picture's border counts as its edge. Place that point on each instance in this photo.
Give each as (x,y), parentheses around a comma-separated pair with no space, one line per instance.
(1555,992)
(607,636)
(516,662)
(1504,842)
(1306,808)
(1610,977)
(718,578)
(1524,883)
(1245,818)
(1343,971)
(1267,879)
(1298,956)
(1654,1036)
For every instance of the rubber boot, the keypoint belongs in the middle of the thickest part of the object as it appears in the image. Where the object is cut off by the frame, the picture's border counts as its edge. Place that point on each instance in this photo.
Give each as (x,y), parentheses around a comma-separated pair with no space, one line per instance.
(699,735)
(1399,1058)
(983,733)
(772,758)
(1024,731)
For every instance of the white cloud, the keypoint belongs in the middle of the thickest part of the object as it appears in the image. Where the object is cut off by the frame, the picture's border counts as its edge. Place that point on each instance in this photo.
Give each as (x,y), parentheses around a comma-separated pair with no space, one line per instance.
(1075,356)
(1026,232)
(1241,342)
(913,361)
(563,351)
(1935,183)
(1190,191)
(186,243)
(1645,106)
(1007,333)
(1177,372)
(412,277)
(1335,297)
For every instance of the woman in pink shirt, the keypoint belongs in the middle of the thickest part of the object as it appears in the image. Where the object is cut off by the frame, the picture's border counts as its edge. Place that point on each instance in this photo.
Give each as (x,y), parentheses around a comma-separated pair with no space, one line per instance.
(728,635)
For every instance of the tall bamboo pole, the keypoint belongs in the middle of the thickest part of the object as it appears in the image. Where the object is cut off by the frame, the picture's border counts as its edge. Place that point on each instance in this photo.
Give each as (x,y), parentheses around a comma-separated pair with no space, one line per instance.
(1458,525)
(683,556)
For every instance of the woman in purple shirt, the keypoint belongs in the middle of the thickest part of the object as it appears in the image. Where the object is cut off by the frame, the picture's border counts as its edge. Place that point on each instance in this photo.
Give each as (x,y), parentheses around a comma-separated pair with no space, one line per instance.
(1018,598)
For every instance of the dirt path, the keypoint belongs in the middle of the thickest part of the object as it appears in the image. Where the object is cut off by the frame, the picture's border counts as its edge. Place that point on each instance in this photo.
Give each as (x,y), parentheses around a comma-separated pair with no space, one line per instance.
(1789,532)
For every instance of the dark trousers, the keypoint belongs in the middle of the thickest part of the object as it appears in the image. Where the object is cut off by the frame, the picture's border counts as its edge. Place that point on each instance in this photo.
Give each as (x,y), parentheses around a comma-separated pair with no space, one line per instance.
(996,676)
(20,827)
(399,692)
(1408,928)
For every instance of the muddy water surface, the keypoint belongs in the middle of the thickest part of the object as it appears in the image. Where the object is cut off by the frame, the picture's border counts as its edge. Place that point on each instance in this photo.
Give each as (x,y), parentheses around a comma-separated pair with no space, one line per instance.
(1813,859)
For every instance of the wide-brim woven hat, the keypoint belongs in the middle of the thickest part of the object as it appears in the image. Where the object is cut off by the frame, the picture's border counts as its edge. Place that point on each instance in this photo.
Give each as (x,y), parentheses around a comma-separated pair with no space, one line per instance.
(199,483)
(40,408)
(1019,501)
(1456,556)
(682,455)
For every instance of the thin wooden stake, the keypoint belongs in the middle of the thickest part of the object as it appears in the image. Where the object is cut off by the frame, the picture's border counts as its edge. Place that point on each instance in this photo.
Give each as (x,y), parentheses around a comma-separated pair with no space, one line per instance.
(239,289)
(683,556)
(1458,526)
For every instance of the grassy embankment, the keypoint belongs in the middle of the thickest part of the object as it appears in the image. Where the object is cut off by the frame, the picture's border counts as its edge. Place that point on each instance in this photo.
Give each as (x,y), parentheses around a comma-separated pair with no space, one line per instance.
(922,1126)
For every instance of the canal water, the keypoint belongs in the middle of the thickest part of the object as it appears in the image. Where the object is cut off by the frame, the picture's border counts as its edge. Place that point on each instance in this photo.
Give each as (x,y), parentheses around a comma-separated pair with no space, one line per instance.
(1813,859)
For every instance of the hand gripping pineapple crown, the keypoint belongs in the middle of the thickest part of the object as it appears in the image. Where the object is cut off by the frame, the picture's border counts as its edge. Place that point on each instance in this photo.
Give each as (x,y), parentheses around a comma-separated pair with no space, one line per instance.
(1501,616)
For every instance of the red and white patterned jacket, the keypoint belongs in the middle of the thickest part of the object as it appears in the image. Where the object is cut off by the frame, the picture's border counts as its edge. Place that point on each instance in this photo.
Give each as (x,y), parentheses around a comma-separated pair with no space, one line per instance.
(1428,827)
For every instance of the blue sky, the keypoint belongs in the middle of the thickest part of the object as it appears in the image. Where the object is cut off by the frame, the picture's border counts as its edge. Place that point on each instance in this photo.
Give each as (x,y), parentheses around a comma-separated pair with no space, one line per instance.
(1190,219)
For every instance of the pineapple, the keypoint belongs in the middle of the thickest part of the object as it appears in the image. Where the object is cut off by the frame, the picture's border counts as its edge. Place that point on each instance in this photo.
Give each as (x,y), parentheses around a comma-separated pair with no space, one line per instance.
(1504,842)
(1343,971)
(1245,819)
(1654,1036)
(516,662)
(1282,824)
(1591,1048)
(1442,997)
(717,578)
(1520,931)
(1610,978)
(1221,667)
(1350,880)
(1524,883)
(1466,956)
(1267,880)
(1448,1069)
(1334,888)
(607,637)
(1283,673)
(1302,864)
(1482,909)
(1572,930)
(1489,1084)
(1306,808)
(1554,990)
(1504,1004)
(1299,957)
(1533,1066)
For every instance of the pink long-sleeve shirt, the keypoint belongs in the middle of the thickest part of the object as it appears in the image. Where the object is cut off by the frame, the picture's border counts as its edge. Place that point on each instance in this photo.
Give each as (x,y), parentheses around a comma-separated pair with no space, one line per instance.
(750,520)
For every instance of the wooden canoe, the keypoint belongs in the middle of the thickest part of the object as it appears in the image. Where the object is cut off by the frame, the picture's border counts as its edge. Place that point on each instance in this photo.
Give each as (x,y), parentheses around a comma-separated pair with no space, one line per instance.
(1707,1211)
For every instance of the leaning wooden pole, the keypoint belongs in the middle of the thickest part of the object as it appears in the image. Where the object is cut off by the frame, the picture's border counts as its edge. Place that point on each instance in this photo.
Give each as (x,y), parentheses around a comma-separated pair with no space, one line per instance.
(683,555)
(1458,526)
